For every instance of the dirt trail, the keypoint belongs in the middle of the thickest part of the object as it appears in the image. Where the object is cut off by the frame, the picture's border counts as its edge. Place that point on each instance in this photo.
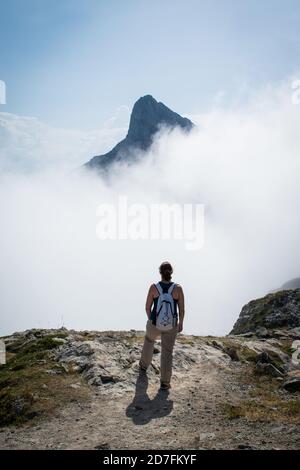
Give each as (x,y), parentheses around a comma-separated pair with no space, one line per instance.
(190,416)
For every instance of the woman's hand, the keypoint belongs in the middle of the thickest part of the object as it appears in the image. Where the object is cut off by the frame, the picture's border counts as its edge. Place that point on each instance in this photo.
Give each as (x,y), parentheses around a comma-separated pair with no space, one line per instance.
(180,327)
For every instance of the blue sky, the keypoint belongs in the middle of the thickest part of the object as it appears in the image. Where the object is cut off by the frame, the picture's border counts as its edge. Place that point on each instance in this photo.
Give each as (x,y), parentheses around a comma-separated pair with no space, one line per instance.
(71,63)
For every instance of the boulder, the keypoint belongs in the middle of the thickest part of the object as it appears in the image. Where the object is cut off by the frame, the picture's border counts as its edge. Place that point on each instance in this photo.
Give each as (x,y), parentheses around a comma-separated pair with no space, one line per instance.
(276,310)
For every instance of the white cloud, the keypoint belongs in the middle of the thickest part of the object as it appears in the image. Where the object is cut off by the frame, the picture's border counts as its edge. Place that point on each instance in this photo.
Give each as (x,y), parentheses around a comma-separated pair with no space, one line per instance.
(242,163)
(29,145)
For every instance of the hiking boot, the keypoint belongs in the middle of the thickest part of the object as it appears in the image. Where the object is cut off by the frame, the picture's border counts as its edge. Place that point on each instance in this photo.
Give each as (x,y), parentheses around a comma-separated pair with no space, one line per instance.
(165,386)
(142,367)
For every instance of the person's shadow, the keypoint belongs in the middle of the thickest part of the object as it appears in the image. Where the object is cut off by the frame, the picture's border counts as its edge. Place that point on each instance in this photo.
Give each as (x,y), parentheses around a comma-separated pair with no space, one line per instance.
(142,409)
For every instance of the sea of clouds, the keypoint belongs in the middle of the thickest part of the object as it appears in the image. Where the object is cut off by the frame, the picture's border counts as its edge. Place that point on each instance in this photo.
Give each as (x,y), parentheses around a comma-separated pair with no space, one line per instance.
(242,162)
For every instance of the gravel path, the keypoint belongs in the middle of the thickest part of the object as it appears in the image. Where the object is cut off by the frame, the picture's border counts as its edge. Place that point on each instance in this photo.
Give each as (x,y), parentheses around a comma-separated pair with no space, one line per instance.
(190,416)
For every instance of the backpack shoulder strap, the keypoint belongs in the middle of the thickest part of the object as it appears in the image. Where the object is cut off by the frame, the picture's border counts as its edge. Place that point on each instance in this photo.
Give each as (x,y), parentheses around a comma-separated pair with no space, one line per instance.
(158,287)
(171,288)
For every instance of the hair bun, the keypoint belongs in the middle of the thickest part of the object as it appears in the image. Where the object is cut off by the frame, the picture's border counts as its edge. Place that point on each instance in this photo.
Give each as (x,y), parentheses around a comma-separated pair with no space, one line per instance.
(166,270)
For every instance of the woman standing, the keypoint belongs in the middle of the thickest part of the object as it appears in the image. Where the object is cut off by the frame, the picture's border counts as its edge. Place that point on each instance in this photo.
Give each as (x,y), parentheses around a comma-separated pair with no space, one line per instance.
(164,299)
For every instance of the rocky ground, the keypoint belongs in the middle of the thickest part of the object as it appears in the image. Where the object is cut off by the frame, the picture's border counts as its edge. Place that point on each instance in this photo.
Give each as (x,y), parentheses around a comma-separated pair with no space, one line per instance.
(82,390)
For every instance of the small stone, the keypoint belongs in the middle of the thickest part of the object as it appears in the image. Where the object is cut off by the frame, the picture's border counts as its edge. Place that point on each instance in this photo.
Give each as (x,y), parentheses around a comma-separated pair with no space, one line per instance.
(263,358)
(206,435)
(232,353)
(292,384)
(75,386)
(262,332)
(104,446)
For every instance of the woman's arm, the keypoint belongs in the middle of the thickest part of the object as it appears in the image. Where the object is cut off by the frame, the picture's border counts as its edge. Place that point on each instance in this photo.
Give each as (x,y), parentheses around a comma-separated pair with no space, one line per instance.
(149,301)
(181,308)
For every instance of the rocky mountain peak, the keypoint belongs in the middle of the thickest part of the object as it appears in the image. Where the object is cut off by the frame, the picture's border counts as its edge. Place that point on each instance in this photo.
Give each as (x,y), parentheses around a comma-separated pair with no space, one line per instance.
(147,117)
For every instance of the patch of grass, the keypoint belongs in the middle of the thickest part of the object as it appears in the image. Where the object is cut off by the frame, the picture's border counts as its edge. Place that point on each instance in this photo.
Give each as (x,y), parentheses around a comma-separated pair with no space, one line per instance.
(266,402)
(244,354)
(247,355)
(40,342)
(286,346)
(44,344)
(87,335)
(28,390)
(259,383)
(271,409)
(185,340)
(232,411)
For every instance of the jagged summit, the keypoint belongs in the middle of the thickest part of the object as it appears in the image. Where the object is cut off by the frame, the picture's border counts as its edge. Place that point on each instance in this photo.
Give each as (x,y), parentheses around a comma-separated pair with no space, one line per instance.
(146,118)
(147,115)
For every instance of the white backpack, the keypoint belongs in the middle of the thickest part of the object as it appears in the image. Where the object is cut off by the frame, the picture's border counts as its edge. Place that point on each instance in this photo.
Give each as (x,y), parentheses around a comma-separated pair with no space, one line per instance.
(165,315)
